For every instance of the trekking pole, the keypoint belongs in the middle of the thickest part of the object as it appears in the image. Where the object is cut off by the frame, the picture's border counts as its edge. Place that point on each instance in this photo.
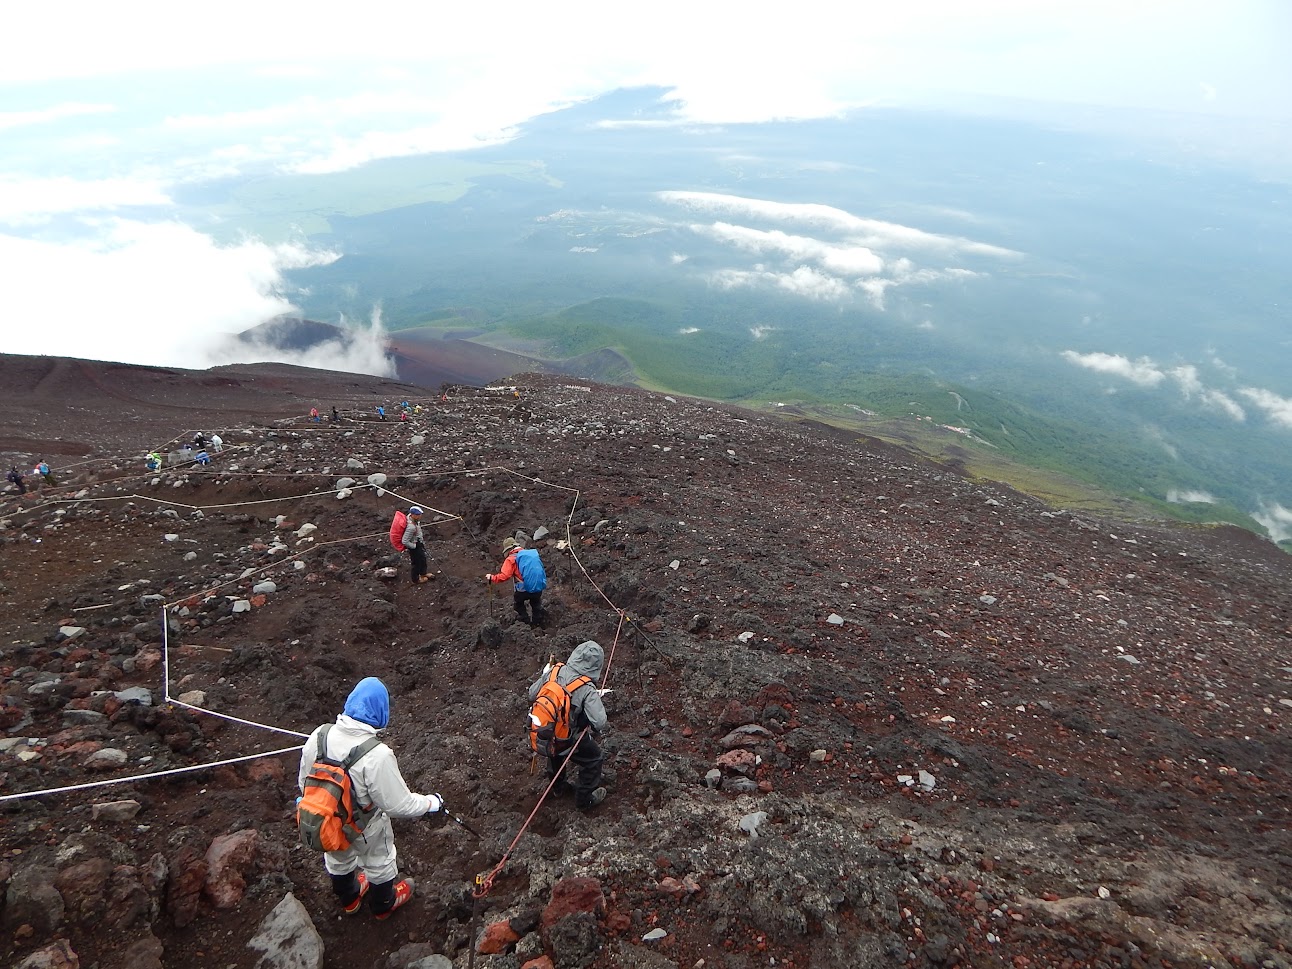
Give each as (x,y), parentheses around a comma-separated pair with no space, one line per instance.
(490,600)
(445,808)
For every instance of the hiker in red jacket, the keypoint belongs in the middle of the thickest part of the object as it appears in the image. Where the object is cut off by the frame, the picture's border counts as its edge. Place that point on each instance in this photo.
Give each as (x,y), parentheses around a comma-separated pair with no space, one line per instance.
(523,565)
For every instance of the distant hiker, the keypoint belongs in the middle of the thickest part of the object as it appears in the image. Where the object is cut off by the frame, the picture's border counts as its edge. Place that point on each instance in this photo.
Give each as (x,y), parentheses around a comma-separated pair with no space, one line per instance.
(314,414)
(335,416)
(217,442)
(202,458)
(381,412)
(42,469)
(576,679)
(524,566)
(199,440)
(415,542)
(153,462)
(368,866)
(16,477)
(403,415)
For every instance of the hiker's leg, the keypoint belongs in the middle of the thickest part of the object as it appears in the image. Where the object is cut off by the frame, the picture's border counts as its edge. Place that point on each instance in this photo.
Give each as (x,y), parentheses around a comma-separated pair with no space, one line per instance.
(518,603)
(536,602)
(566,783)
(343,869)
(588,758)
(376,854)
(419,563)
(346,887)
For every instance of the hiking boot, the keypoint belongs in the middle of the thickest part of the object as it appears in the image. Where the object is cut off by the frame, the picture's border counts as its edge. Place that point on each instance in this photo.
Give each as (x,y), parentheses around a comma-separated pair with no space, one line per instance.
(423,578)
(353,907)
(595,798)
(403,892)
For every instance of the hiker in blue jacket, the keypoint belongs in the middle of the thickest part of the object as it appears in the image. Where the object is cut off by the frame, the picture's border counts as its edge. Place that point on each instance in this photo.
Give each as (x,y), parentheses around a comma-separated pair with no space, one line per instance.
(523,565)
(370,866)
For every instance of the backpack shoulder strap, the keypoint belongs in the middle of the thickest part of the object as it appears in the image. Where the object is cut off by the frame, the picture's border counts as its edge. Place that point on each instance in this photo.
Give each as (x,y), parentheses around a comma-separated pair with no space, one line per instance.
(360,751)
(323,732)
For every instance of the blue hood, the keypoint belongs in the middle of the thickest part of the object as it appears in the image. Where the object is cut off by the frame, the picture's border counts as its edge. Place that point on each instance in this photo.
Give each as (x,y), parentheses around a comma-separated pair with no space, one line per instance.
(369,702)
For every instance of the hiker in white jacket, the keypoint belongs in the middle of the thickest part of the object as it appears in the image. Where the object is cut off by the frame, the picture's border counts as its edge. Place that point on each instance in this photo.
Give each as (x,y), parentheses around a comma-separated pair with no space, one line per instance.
(369,866)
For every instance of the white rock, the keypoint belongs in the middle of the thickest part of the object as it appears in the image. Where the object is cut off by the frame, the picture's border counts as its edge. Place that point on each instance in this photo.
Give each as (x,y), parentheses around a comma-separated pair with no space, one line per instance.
(343,483)
(309,528)
(817,756)
(354,464)
(1104,893)
(241,605)
(654,935)
(746,636)
(927,781)
(190,556)
(71,632)
(171,537)
(1128,658)
(343,494)
(750,822)
(195,698)
(417,439)
(265,588)
(835,619)
(377,479)
(298,565)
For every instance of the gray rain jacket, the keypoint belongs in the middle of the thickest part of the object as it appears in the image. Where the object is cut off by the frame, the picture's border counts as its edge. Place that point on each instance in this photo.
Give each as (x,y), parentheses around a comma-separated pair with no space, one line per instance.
(586,708)
(412,534)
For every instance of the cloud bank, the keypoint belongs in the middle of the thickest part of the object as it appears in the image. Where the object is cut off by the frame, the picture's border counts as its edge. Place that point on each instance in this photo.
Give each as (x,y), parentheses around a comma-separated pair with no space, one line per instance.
(160,294)
(847,256)
(1145,372)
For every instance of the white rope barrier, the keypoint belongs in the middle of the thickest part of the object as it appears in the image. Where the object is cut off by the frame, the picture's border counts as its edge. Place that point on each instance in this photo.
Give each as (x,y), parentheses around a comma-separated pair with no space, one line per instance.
(147,777)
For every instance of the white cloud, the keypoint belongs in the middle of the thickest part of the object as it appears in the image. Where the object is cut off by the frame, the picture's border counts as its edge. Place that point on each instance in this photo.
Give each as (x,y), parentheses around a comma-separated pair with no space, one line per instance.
(161,294)
(70,109)
(678,258)
(1143,371)
(1276,519)
(758,332)
(23,201)
(871,233)
(803,281)
(837,259)
(1186,375)
(688,330)
(1276,408)
(1220,401)
(1177,497)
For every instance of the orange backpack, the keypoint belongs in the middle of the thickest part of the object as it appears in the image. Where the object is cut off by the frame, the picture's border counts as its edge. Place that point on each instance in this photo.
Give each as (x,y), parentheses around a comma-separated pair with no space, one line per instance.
(397,526)
(549,718)
(326,816)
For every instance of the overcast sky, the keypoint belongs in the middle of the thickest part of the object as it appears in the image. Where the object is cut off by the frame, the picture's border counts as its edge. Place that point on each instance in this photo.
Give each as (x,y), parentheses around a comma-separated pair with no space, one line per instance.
(108,110)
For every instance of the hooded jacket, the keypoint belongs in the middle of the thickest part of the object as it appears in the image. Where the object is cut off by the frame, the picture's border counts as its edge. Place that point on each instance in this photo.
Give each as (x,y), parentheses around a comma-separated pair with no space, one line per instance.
(586,708)
(412,533)
(375,776)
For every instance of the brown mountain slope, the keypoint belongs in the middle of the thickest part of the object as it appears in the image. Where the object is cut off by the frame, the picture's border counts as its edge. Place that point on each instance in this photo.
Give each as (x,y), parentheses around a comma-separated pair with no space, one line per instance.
(866,713)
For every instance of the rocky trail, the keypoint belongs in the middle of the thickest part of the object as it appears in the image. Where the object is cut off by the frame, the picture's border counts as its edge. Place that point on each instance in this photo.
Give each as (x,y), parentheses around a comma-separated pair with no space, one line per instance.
(864,712)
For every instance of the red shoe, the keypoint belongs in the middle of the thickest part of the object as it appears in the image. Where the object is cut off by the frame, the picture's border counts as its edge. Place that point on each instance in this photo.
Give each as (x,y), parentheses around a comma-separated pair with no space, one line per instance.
(353,907)
(403,892)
